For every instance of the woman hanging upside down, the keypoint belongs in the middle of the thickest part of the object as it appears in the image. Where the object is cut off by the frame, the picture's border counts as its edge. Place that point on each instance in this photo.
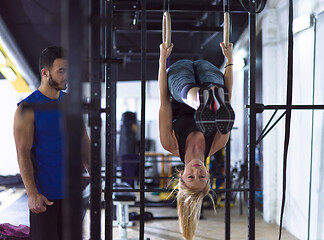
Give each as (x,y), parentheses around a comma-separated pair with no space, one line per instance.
(195,119)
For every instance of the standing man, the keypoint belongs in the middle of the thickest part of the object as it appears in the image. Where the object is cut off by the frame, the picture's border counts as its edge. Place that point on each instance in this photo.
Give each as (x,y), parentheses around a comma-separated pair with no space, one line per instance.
(39,141)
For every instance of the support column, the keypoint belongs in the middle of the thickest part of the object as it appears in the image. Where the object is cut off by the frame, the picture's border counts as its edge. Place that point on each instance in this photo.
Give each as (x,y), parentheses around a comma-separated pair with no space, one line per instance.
(143,98)
(73,41)
(269,76)
(95,120)
(252,121)
(110,119)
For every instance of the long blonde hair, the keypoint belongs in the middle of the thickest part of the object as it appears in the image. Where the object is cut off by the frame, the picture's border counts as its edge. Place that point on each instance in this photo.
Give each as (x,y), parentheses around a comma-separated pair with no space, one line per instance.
(189,203)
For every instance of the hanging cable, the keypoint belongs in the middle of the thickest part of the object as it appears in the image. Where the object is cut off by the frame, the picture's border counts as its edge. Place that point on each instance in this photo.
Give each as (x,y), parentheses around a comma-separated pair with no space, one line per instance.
(288,112)
(312,138)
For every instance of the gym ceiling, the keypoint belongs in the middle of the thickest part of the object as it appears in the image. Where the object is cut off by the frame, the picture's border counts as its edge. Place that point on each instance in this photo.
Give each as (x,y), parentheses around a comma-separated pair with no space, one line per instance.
(196,30)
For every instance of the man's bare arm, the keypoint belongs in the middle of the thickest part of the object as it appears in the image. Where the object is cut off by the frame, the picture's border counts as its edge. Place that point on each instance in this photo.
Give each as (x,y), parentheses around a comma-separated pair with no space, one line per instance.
(24,136)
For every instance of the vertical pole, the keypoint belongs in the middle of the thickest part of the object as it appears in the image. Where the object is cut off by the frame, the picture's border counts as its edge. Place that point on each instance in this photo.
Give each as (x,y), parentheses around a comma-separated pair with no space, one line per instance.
(72,39)
(312,139)
(143,95)
(252,122)
(95,121)
(110,114)
(228,193)
(226,38)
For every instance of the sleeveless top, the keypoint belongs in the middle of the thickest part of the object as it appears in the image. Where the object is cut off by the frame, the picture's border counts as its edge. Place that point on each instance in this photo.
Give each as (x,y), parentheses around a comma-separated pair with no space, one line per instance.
(183,124)
(47,149)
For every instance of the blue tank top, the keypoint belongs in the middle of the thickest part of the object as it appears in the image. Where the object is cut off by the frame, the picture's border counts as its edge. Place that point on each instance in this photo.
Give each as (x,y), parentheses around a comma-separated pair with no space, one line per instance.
(47,150)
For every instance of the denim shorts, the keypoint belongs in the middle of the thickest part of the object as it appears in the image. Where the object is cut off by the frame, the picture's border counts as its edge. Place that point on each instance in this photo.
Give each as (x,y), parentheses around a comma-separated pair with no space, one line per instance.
(185,74)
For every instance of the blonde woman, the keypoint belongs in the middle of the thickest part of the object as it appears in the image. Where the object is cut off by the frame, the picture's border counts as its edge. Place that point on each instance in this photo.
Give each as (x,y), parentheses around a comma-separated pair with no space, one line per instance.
(195,118)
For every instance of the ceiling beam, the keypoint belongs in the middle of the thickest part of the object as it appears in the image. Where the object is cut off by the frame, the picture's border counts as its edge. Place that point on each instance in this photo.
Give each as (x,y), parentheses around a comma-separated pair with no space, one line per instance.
(14,53)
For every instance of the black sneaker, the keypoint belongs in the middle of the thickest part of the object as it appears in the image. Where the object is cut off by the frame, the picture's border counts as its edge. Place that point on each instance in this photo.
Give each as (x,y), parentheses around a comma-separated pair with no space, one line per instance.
(225,114)
(204,116)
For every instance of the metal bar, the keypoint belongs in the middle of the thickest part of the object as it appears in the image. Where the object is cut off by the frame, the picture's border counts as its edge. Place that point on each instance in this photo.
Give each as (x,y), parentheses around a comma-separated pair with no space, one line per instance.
(136,178)
(273,125)
(73,41)
(109,121)
(153,161)
(270,120)
(146,190)
(312,138)
(143,95)
(293,107)
(95,121)
(228,193)
(252,121)
(228,145)
(179,9)
(176,28)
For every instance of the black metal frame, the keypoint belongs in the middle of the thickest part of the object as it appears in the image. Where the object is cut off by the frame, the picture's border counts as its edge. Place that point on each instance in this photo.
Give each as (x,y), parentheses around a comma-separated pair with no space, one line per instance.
(252,121)
(95,118)
(104,57)
(143,100)
(110,118)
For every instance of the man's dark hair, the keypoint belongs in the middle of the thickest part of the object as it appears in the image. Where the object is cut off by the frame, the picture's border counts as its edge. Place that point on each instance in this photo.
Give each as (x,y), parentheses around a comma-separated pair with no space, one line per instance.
(48,56)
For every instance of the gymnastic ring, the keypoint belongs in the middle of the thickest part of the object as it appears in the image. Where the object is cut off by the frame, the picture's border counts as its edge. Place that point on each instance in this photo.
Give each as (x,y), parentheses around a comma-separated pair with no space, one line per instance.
(226,31)
(166,29)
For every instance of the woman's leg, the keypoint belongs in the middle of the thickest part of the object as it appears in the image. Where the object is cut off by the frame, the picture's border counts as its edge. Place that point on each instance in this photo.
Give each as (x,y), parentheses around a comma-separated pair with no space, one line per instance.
(182,84)
(207,74)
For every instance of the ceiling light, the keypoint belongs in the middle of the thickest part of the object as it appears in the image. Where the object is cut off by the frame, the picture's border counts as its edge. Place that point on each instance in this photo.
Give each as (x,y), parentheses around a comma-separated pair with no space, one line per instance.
(303,22)
(9,74)
(2,59)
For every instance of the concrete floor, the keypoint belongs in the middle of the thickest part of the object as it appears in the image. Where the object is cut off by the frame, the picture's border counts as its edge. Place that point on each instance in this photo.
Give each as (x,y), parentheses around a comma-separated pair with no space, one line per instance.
(211,227)
(14,210)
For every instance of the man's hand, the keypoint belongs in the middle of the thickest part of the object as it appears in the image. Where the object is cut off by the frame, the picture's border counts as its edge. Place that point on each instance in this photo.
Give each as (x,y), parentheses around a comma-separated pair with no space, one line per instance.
(165,52)
(37,203)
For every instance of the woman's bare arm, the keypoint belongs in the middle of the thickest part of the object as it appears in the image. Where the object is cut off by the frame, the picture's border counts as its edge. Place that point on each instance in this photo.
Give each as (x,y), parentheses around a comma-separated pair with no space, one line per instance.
(219,142)
(228,74)
(167,136)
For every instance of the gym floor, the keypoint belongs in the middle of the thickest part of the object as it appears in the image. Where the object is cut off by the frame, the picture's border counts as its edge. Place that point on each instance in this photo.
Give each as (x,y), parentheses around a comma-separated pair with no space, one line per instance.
(212,227)
(14,210)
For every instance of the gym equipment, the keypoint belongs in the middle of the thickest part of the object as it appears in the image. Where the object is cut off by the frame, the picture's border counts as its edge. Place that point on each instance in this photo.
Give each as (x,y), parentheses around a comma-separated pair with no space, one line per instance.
(122,200)
(166,29)
(226,32)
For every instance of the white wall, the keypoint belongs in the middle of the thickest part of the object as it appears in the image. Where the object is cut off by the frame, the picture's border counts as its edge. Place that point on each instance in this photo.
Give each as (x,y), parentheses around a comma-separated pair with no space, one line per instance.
(129,93)
(129,99)
(8,105)
(274,22)
(317,188)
